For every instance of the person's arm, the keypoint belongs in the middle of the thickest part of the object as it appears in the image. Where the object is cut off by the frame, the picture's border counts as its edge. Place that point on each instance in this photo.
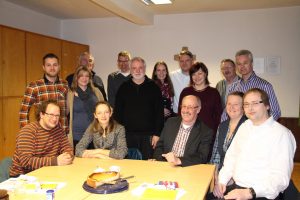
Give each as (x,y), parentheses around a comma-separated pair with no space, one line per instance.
(111,94)
(215,158)
(81,146)
(159,149)
(217,112)
(159,112)
(119,151)
(28,100)
(274,106)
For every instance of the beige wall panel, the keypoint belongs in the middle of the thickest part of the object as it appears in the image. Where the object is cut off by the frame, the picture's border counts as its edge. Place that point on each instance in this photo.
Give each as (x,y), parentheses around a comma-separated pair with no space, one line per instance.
(70,55)
(13,62)
(37,46)
(10,116)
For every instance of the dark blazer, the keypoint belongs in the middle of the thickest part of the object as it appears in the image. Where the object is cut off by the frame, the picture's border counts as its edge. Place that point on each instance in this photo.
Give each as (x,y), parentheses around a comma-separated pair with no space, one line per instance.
(197,146)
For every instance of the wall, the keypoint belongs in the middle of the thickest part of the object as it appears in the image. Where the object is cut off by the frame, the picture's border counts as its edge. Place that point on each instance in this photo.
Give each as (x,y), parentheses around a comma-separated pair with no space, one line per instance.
(18,17)
(211,36)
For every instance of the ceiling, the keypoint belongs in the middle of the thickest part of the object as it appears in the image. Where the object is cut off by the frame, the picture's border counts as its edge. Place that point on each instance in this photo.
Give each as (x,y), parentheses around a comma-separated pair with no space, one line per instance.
(139,13)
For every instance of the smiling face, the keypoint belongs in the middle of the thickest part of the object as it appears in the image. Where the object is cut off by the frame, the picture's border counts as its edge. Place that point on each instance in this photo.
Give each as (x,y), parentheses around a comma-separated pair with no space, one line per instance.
(228,70)
(185,63)
(161,72)
(83,78)
(234,106)
(123,63)
(103,114)
(199,78)
(190,109)
(137,70)
(244,65)
(51,67)
(50,118)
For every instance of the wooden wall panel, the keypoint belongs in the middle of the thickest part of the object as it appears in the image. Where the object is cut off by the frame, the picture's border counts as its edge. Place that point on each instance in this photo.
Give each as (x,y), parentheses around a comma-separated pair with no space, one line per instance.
(1,130)
(13,67)
(37,46)
(1,63)
(70,56)
(11,108)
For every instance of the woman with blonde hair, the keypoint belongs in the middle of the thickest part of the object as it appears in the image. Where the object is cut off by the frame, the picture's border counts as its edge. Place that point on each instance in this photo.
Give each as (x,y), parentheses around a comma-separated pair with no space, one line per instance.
(107,135)
(81,101)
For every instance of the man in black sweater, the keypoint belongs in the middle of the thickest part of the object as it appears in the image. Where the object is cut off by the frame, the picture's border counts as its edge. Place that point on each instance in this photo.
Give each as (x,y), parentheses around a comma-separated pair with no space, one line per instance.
(139,107)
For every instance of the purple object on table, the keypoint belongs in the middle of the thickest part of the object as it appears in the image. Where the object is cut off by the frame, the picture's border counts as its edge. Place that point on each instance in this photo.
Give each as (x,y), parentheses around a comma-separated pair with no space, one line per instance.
(119,186)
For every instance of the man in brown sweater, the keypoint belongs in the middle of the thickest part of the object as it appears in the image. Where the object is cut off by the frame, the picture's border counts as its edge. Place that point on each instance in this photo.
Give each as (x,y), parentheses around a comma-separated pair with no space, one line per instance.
(42,143)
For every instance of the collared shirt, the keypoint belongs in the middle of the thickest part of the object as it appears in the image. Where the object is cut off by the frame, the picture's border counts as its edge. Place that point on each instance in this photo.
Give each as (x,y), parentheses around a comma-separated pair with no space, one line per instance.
(260,157)
(256,82)
(42,90)
(181,139)
(180,81)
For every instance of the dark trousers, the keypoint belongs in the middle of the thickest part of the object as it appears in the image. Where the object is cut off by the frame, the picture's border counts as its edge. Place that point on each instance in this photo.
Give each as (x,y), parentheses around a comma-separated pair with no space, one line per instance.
(142,143)
(210,196)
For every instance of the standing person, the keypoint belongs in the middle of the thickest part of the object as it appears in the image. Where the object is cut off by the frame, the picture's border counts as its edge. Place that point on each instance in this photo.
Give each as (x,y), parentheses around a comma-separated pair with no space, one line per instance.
(139,107)
(249,80)
(107,135)
(229,72)
(260,158)
(81,102)
(227,130)
(161,77)
(180,78)
(185,140)
(210,98)
(49,87)
(41,143)
(88,60)
(115,79)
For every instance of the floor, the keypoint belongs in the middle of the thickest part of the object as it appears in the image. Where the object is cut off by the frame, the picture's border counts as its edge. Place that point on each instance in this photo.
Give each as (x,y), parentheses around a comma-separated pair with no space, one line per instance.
(296,175)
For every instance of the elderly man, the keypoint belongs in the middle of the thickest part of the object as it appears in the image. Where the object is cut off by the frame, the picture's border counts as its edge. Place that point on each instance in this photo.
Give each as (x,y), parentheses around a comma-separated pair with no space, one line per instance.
(115,79)
(139,107)
(229,72)
(185,140)
(260,158)
(42,143)
(181,78)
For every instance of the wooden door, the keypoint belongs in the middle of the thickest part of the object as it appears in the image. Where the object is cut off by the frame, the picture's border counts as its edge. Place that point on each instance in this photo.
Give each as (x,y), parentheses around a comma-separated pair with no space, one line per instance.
(37,46)
(70,56)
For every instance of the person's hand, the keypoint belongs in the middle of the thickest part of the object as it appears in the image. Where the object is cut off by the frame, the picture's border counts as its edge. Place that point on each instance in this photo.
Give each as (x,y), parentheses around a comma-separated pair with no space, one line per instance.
(154,141)
(171,158)
(167,112)
(239,194)
(64,159)
(219,190)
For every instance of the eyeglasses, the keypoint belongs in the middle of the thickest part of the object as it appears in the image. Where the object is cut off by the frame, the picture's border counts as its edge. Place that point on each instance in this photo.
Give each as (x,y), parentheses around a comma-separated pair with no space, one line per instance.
(52,115)
(189,107)
(253,104)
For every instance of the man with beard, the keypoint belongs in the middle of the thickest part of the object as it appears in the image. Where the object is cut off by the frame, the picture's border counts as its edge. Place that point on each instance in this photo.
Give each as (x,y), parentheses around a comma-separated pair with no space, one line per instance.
(185,140)
(228,70)
(49,87)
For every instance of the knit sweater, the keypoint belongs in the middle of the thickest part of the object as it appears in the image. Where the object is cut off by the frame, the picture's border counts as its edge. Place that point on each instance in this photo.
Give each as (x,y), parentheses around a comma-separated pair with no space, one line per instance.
(37,147)
(140,108)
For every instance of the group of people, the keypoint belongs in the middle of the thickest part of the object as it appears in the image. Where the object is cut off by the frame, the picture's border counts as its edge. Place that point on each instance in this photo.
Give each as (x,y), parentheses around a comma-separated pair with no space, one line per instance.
(175,117)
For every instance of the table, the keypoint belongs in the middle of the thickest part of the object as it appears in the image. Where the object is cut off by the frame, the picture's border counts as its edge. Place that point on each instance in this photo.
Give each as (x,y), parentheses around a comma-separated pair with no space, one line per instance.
(195,180)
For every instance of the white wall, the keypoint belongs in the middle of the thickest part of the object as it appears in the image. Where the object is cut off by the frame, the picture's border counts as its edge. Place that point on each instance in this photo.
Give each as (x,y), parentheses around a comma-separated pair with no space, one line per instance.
(211,36)
(25,19)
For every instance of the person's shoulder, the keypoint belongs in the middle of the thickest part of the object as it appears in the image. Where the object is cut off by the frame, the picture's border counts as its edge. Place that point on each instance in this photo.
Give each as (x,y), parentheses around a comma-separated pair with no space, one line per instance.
(113,74)
(30,128)
(175,72)
(173,120)
(36,83)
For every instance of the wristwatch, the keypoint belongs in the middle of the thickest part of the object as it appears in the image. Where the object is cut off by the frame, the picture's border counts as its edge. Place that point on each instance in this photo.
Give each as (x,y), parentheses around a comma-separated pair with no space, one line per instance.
(252,192)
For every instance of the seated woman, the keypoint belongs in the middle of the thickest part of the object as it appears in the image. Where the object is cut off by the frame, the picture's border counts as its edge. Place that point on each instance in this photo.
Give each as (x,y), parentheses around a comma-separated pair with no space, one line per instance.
(106,134)
(227,130)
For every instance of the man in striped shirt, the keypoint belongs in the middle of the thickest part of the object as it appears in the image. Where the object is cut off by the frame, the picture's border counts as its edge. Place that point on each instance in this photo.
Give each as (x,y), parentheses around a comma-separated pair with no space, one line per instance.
(41,143)
(185,140)
(249,80)
(49,87)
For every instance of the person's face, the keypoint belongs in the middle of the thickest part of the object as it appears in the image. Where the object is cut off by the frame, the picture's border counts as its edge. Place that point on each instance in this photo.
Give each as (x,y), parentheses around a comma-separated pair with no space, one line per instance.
(254,108)
(50,118)
(51,67)
(234,106)
(83,78)
(88,61)
(161,72)
(228,70)
(244,65)
(189,109)
(123,63)
(103,114)
(199,77)
(185,63)
(137,70)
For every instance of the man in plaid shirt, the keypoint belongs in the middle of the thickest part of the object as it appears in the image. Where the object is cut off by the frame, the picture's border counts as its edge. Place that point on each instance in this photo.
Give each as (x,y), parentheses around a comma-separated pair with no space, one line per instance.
(49,87)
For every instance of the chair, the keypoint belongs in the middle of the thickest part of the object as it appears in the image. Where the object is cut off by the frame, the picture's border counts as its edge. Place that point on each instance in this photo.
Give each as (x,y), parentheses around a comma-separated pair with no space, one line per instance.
(4,168)
(134,154)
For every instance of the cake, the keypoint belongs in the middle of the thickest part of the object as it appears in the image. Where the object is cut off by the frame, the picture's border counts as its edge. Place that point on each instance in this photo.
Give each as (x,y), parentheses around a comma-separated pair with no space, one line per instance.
(96,179)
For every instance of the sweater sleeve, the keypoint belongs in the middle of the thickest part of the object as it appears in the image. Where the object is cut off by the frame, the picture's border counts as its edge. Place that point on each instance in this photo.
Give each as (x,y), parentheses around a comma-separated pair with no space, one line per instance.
(28,100)
(83,143)
(119,151)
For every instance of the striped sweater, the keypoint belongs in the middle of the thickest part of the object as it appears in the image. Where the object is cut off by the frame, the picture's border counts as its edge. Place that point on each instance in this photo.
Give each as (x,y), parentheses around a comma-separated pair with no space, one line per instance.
(37,147)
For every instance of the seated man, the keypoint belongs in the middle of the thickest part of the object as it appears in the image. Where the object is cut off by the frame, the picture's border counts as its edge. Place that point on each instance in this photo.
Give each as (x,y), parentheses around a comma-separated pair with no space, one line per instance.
(260,158)
(41,143)
(185,140)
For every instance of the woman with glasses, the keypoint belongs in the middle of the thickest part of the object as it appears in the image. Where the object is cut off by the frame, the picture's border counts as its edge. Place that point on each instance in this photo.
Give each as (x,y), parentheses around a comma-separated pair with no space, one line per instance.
(107,136)
(161,77)
(81,101)
(211,106)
